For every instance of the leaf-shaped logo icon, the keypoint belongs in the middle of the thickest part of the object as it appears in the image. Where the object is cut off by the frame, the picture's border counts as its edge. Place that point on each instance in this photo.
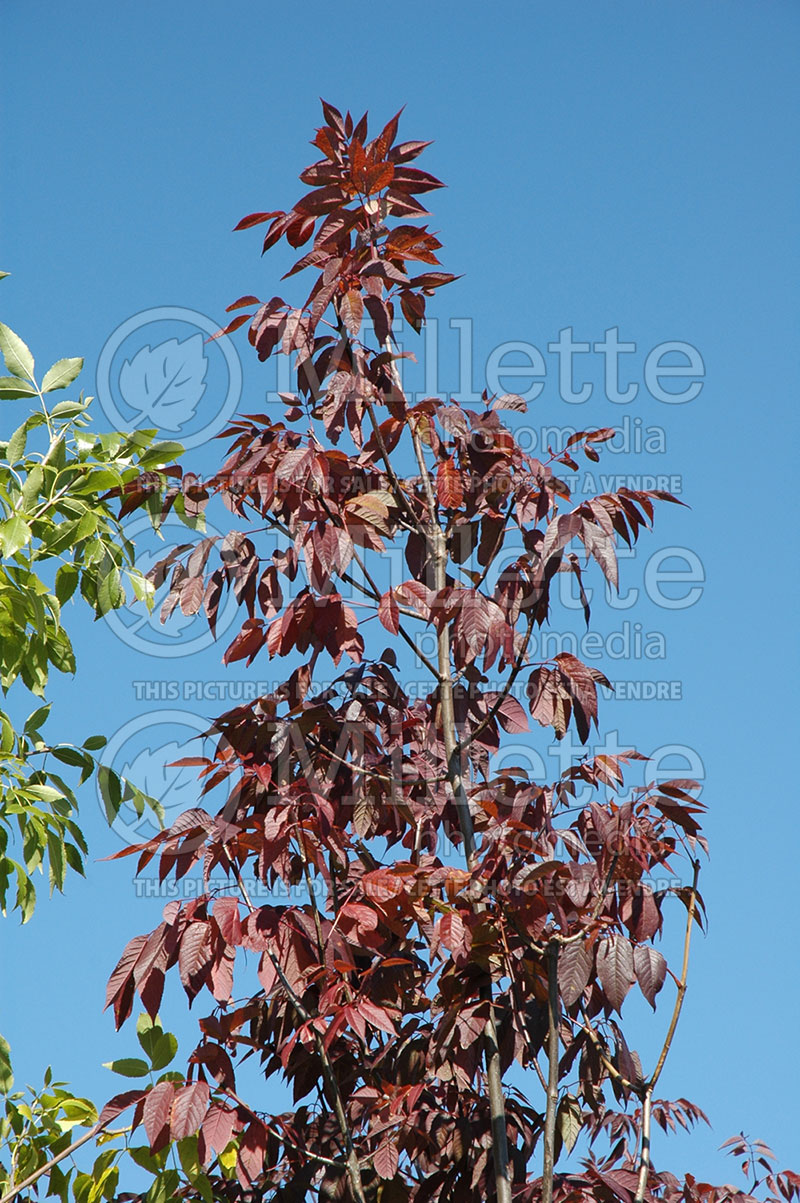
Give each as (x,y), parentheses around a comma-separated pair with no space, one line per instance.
(142,619)
(166,382)
(175,788)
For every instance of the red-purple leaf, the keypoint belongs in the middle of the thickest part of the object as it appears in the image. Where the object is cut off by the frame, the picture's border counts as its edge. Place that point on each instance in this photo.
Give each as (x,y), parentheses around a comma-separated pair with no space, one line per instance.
(510,401)
(242,302)
(386,1159)
(448,485)
(351,311)
(651,969)
(226,913)
(255,219)
(510,714)
(574,970)
(156,1114)
(188,1109)
(615,968)
(389,612)
(218,1127)
(119,1103)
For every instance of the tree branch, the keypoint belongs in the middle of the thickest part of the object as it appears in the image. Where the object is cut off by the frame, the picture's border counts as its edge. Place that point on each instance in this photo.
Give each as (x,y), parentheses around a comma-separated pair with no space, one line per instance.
(683,979)
(53,1162)
(548,1165)
(647,1095)
(612,1069)
(494,1076)
(396,488)
(644,1154)
(400,630)
(336,1165)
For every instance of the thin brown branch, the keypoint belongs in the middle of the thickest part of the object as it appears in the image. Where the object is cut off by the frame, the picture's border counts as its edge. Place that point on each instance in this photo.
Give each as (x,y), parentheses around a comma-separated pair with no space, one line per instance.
(336,1165)
(437,543)
(372,593)
(53,1162)
(644,1154)
(312,896)
(396,488)
(612,1069)
(354,768)
(375,593)
(494,1076)
(400,629)
(656,1074)
(553,1009)
(517,1008)
(647,1096)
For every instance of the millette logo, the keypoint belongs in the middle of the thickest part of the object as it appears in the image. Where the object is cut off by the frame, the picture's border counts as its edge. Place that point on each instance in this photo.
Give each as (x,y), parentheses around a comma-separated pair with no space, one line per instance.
(160,369)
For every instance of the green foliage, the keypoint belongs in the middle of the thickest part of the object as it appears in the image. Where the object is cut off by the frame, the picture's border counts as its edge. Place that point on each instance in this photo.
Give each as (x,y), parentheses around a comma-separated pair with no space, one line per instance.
(59,536)
(38,808)
(159,1046)
(38,1126)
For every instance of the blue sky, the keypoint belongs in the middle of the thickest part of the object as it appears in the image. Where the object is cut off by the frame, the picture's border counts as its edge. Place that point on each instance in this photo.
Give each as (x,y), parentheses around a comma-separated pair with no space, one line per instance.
(609,166)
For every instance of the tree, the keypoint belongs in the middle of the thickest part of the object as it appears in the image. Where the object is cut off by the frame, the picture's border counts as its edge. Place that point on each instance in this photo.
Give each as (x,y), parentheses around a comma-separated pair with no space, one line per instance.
(59,536)
(397,987)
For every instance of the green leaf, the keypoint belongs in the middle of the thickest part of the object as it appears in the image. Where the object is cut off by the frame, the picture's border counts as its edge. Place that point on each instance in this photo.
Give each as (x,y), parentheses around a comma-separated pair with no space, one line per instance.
(74,858)
(12,388)
(160,454)
(163,1187)
(104,1185)
(34,721)
(45,793)
(142,1156)
(14,534)
(72,756)
(94,743)
(87,525)
(77,1111)
(110,791)
(66,582)
(143,589)
(26,895)
(61,374)
(16,444)
(110,594)
(193,521)
(81,1187)
(67,409)
(98,480)
(164,1049)
(147,1030)
(7,736)
(58,1184)
(173,1075)
(6,1074)
(129,1067)
(58,869)
(33,486)
(227,1159)
(19,360)
(190,1163)
(60,653)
